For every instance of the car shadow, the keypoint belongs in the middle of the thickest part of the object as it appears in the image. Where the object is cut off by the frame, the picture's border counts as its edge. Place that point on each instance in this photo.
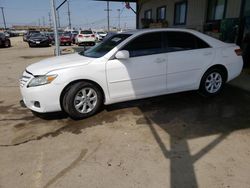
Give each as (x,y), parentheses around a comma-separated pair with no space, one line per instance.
(182,116)
(186,116)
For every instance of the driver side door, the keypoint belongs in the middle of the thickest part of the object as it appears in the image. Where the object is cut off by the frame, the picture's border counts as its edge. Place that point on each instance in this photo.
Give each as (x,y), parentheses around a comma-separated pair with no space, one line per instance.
(143,73)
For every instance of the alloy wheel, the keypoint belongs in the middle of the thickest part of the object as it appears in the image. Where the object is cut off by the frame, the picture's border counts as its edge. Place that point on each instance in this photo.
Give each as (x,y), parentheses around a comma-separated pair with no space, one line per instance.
(213,82)
(85,100)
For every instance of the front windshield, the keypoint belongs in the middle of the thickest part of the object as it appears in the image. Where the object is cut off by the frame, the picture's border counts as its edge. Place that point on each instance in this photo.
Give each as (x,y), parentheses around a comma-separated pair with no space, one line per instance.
(104,47)
(37,35)
(101,33)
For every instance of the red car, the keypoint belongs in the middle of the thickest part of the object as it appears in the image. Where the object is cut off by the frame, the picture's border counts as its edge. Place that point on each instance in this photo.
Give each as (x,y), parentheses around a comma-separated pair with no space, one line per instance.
(66,39)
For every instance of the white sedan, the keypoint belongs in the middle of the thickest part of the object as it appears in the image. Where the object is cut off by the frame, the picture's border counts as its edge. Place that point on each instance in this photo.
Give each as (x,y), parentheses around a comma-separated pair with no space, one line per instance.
(127,66)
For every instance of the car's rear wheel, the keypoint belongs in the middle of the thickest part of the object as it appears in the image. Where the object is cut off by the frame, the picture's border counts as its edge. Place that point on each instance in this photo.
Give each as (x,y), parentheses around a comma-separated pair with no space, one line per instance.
(212,82)
(82,100)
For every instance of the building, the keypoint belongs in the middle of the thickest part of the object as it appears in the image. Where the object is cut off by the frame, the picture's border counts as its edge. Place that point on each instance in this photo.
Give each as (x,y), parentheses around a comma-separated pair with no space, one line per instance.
(30,27)
(227,20)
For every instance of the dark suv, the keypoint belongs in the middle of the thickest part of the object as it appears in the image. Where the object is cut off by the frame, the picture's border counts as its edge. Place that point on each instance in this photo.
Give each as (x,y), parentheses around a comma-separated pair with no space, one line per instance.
(4,40)
(27,35)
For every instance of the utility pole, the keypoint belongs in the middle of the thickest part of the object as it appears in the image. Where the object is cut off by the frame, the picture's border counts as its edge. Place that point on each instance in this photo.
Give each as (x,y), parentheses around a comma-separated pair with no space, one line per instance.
(50,25)
(43,21)
(69,15)
(58,18)
(4,22)
(53,8)
(39,23)
(108,10)
(119,19)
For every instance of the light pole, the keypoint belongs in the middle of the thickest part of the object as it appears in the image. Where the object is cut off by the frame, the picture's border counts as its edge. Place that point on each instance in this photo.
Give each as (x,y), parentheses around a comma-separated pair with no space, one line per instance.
(69,15)
(119,19)
(54,17)
(4,22)
(108,10)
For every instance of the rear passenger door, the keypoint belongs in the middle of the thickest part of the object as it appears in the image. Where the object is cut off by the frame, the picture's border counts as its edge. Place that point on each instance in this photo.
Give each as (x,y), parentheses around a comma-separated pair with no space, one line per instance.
(188,55)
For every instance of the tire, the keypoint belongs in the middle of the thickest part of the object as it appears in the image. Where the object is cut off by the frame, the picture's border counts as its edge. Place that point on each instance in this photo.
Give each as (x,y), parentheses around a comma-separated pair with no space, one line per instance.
(82,100)
(212,82)
(7,44)
(70,44)
(30,45)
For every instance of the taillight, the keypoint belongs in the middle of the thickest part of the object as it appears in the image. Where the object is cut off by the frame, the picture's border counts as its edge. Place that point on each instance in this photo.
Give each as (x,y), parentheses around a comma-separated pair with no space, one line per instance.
(80,35)
(238,52)
(92,35)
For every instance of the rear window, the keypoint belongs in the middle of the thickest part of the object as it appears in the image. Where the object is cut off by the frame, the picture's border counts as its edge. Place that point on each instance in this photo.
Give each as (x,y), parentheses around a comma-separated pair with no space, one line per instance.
(86,32)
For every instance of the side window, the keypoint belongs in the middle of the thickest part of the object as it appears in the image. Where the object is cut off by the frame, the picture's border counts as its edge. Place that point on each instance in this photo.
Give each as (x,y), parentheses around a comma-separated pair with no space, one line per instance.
(201,44)
(180,41)
(146,44)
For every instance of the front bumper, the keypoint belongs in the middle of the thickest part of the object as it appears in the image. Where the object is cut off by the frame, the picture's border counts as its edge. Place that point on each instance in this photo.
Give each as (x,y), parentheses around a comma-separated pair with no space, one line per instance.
(39,43)
(47,96)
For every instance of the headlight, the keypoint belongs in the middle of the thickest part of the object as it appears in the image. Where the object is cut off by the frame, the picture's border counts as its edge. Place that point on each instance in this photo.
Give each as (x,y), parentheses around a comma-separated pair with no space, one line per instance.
(41,80)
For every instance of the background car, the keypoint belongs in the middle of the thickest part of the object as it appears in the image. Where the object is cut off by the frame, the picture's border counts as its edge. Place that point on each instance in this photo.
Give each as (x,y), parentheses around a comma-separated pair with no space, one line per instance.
(86,37)
(66,39)
(27,35)
(4,40)
(38,39)
(52,37)
(100,35)
(73,37)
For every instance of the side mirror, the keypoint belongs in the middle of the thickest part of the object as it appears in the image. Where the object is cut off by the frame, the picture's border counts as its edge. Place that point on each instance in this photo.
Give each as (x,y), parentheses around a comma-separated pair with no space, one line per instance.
(123,54)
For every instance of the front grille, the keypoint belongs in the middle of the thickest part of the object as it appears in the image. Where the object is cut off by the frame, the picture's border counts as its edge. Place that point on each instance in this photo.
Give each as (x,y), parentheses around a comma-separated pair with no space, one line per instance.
(25,78)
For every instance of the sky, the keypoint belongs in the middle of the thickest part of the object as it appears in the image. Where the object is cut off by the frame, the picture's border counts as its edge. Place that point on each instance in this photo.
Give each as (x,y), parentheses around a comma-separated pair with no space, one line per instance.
(84,13)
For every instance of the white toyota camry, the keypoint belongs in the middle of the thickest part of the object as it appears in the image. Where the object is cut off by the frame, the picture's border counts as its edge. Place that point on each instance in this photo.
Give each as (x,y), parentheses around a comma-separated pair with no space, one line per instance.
(127,66)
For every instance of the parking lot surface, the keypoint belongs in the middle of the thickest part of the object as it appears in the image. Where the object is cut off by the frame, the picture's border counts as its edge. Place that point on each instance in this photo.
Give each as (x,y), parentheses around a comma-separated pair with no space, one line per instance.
(179,140)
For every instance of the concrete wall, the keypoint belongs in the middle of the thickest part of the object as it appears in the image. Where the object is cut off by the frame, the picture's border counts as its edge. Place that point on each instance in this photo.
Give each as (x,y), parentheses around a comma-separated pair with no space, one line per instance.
(196,11)
(233,8)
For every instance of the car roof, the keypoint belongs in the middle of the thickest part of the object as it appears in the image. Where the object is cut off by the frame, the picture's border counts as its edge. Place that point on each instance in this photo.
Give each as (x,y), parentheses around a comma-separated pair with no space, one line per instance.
(210,40)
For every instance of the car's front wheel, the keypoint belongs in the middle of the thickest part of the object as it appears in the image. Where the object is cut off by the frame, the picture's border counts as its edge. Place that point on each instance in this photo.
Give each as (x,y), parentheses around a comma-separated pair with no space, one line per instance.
(7,43)
(82,100)
(212,82)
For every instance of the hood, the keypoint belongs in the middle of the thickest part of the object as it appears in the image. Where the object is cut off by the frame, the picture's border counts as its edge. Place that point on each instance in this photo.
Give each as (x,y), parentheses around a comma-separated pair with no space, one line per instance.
(56,63)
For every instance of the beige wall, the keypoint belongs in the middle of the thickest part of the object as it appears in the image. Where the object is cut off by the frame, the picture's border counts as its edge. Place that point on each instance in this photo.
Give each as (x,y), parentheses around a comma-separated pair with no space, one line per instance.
(196,13)
(195,16)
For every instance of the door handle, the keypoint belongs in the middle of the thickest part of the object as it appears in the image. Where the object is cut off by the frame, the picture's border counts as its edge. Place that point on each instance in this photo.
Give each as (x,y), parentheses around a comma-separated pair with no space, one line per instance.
(159,60)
